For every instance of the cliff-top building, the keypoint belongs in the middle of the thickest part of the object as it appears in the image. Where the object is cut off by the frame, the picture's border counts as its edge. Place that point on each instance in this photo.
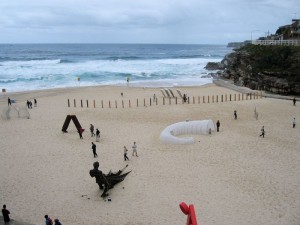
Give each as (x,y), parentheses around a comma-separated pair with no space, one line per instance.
(285,35)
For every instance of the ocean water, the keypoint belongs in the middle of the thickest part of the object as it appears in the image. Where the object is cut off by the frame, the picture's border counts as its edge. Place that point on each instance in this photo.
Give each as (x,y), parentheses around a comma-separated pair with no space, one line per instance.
(26,67)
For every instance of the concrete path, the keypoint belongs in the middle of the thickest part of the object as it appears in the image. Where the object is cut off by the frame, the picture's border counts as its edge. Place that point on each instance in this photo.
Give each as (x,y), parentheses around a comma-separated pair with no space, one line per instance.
(229,84)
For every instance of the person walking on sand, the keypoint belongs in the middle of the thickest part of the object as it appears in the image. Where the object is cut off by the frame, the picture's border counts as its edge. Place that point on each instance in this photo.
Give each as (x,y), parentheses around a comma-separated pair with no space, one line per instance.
(94,150)
(218,125)
(235,114)
(184,98)
(92,130)
(294,122)
(125,154)
(294,101)
(134,149)
(35,103)
(97,135)
(80,131)
(8,101)
(5,214)
(262,130)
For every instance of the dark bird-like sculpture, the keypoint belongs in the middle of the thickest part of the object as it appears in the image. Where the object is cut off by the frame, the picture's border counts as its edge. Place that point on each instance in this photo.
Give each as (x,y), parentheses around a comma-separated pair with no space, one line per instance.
(108,181)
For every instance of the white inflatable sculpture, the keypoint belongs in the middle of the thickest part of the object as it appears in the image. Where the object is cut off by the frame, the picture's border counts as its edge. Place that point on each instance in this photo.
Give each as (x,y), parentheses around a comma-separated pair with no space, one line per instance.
(168,135)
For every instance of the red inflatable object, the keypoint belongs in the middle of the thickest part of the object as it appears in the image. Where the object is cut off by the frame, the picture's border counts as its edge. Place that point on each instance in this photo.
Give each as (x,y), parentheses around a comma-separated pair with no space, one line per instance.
(190,212)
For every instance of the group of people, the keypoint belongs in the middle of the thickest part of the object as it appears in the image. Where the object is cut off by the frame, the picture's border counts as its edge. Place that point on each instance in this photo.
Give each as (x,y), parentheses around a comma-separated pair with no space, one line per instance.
(134,151)
(29,103)
(6,218)
(262,130)
(97,134)
(94,146)
(49,221)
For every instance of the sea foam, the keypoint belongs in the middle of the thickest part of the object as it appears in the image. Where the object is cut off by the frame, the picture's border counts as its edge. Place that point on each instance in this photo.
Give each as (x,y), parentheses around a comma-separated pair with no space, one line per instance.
(153,66)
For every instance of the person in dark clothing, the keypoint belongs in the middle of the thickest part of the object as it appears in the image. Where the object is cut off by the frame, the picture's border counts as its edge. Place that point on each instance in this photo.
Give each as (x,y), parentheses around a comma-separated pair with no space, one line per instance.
(92,130)
(184,98)
(35,103)
(8,101)
(294,101)
(100,179)
(5,214)
(235,114)
(94,150)
(29,104)
(262,132)
(56,222)
(218,125)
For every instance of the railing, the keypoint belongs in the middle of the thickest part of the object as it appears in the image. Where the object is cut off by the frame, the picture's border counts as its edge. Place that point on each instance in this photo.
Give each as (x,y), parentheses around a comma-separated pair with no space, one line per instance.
(163,101)
(277,42)
(295,31)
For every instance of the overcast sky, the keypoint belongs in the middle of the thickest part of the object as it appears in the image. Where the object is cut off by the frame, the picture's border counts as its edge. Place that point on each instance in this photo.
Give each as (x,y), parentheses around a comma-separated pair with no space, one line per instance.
(142,21)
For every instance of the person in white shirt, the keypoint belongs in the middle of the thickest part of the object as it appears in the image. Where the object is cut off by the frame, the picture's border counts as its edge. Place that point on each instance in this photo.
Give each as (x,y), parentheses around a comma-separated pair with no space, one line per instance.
(134,149)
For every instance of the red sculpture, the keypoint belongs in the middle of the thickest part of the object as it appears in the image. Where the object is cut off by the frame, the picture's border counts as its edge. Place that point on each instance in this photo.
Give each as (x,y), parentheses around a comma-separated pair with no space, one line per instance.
(190,212)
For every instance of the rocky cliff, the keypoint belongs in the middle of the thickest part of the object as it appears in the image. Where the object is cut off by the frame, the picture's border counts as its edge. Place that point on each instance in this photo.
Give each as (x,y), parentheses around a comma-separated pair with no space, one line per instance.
(271,68)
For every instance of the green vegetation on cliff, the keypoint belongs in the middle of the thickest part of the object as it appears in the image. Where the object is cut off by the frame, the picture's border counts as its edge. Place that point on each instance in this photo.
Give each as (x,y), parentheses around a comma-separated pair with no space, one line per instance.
(274,58)
(272,68)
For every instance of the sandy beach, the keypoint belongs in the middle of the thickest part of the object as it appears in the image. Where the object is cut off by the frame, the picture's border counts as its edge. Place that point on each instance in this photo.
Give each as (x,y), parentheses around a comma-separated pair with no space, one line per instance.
(232,177)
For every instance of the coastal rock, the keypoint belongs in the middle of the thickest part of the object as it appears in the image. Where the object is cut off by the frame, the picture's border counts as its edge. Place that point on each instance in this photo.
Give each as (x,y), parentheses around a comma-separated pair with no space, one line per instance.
(271,68)
(214,66)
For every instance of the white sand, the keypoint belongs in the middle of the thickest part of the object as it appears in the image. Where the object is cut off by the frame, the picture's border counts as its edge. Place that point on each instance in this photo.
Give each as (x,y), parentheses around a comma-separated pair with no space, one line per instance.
(232,177)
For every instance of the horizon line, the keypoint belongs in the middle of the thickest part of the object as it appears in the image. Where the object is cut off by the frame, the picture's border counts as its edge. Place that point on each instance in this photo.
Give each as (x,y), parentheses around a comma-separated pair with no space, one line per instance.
(91,43)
